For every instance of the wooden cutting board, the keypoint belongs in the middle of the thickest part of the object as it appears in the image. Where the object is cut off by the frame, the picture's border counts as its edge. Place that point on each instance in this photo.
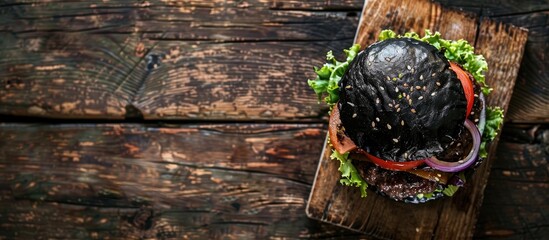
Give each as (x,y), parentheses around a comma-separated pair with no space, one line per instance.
(447,218)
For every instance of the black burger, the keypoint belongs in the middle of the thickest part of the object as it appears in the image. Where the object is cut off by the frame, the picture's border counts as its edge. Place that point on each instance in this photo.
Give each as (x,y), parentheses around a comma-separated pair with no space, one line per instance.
(408,116)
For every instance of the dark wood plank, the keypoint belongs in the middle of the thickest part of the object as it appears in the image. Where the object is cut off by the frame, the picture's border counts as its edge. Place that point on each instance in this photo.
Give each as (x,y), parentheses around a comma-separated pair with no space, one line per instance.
(139,181)
(133,181)
(447,218)
(126,37)
(516,205)
(167,60)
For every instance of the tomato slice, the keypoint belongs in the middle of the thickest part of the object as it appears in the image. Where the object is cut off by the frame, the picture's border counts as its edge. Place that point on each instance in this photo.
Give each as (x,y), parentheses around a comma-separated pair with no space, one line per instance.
(390,165)
(339,140)
(467,86)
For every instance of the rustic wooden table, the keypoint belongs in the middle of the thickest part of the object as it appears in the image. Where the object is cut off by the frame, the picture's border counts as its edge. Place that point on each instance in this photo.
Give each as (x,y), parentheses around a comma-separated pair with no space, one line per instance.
(193,119)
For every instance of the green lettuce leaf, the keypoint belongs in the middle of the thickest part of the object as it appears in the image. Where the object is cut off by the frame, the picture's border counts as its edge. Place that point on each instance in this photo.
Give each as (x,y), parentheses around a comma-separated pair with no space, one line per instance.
(450,190)
(459,51)
(349,174)
(494,120)
(326,82)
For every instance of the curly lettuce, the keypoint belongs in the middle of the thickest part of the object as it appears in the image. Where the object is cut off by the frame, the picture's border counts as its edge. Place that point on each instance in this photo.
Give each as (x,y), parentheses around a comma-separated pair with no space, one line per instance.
(328,76)
(494,120)
(349,174)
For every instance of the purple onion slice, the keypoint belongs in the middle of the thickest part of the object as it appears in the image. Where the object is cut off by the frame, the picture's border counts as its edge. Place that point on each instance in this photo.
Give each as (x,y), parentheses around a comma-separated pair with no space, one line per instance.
(463,163)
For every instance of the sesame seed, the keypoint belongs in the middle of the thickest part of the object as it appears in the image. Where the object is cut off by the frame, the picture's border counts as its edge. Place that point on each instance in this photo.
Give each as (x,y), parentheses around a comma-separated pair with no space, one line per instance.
(354,115)
(348,87)
(406,155)
(396,89)
(472,113)
(408,67)
(373,124)
(420,97)
(438,175)
(424,88)
(421,77)
(413,70)
(382,88)
(418,87)
(433,94)
(395,140)
(476,120)
(405,84)
(402,122)
(434,74)
(390,105)
(398,109)
(388,126)
(411,89)
(438,83)
(408,97)
(410,101)
(350,103)
(459,144)
(413,110)
(398,105)
(377,100)
(377,119)
(476,95)
(388,78)
(404,94)
(436,178)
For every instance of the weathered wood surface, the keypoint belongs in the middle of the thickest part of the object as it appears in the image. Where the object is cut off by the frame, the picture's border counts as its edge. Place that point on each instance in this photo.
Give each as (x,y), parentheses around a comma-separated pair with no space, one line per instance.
(137,181)
(516,203)
(214,181)
(448,218)
(96,59)
(99,60)
(163,59)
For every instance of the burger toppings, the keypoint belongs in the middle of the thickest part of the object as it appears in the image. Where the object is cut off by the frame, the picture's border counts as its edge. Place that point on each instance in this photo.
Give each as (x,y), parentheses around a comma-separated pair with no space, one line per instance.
(341,143)
(466,161)
(467,86)
(404,114)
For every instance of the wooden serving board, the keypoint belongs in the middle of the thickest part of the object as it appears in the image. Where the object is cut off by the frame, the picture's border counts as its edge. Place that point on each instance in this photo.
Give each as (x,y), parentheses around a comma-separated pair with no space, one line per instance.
(446,218)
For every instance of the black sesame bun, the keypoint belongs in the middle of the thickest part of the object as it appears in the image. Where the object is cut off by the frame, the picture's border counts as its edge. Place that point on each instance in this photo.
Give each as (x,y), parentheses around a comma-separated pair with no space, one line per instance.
(400,101)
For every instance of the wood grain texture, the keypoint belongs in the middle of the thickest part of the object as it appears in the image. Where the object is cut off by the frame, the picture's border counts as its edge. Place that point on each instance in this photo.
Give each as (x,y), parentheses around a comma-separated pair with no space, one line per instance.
(167,59)
(452,218)
(516,205)
(95,62)
(138,181)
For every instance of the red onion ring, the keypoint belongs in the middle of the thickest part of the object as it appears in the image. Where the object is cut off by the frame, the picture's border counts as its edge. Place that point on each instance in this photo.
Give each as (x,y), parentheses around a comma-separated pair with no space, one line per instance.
(465,162)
